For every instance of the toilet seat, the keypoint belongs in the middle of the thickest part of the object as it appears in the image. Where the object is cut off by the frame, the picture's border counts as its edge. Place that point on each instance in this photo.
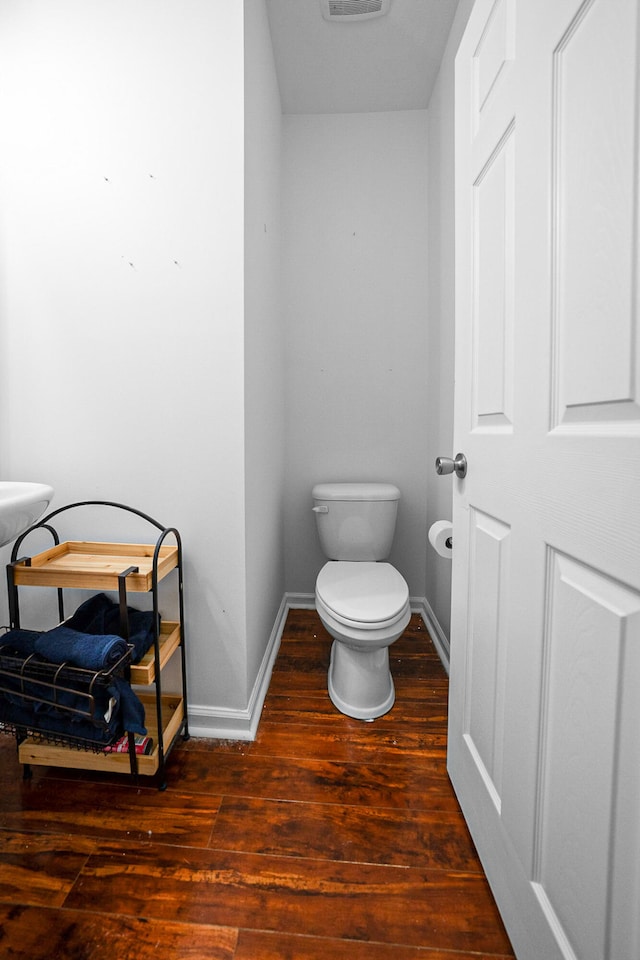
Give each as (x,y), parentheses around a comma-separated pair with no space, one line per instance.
(363,594)
(365,607)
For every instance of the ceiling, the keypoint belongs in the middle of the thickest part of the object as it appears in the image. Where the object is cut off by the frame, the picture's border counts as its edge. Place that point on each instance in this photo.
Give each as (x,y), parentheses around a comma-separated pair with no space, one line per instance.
(388,63)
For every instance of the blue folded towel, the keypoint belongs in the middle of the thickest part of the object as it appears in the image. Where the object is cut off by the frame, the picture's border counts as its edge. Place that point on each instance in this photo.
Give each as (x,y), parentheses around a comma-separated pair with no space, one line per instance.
(22,642)
(116,707)
(100,615)
(23,713)
(87,640)
(71,701)
(85,650)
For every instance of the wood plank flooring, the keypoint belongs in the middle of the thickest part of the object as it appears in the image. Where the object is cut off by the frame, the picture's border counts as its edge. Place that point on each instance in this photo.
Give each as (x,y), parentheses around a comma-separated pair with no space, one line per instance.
(326,838)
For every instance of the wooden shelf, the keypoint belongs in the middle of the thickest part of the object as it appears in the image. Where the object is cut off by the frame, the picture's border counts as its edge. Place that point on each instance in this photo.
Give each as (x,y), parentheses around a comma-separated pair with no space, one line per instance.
(47,754)
(98,566)
(92,565)
(144,672)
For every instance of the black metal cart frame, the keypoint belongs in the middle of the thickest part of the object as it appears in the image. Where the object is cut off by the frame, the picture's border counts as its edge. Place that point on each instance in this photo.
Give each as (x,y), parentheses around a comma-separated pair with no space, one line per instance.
(14,614)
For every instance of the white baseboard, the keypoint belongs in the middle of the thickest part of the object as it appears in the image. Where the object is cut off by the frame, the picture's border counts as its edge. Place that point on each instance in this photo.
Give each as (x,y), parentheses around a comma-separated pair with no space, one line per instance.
(440,640)
(219,723)
(300,601)
(228,724)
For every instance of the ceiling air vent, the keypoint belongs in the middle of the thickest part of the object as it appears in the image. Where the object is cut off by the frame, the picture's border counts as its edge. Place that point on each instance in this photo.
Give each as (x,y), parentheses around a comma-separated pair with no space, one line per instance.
(349,11)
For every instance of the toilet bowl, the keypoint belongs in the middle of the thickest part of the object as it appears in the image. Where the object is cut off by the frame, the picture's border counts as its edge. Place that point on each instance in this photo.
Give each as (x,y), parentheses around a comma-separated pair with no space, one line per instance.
(365,608)
(362,601)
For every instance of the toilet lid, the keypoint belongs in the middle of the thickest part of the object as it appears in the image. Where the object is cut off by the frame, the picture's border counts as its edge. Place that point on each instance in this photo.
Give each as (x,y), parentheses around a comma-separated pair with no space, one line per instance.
(362,591)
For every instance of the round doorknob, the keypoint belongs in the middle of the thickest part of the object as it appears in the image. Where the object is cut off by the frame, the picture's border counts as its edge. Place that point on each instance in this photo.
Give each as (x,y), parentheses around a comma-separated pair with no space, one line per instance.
(447,465)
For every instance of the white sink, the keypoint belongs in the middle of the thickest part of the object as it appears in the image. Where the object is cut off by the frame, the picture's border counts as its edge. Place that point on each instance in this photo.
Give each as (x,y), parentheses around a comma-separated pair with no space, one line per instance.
(21,504)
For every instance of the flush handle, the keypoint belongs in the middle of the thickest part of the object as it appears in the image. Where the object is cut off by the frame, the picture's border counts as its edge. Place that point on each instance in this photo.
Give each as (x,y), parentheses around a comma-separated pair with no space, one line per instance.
(323,509)
(447,465)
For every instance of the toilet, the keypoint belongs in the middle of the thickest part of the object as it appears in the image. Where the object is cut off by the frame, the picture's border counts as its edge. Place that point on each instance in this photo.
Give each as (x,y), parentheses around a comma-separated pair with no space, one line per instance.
(362,601)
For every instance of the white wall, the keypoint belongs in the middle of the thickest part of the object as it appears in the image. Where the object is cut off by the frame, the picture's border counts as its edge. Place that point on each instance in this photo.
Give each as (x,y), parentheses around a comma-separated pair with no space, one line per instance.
(355,302)
(264,341)
(440,361)
(141,337)
(122,346)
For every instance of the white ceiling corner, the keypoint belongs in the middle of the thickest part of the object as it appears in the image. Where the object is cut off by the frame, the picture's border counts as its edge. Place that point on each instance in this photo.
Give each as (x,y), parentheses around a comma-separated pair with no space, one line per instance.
(388,63)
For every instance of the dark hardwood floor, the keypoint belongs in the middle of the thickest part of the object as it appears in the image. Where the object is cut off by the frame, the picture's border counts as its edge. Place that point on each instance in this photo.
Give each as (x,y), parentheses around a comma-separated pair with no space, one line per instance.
(325,838)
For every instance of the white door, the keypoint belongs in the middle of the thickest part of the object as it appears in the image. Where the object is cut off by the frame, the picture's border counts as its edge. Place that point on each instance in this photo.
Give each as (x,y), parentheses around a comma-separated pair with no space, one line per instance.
(544,742)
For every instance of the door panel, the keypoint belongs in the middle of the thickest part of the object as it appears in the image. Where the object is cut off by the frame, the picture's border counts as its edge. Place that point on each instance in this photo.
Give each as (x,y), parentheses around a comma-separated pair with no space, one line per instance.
(493,268)
(545,635)
(591,620)
(488,604)
(595,250)
(492,55)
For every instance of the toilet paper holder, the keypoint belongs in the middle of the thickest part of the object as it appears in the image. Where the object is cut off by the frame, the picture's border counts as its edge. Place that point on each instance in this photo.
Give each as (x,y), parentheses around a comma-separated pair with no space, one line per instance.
(440,537)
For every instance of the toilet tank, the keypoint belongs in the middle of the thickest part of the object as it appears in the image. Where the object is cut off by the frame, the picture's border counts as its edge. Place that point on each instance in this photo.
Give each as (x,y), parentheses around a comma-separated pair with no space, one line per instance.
(356,521)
